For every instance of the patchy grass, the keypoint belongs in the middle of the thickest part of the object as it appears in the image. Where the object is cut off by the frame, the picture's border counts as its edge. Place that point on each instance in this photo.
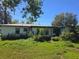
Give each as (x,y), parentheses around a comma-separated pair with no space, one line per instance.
(28,49)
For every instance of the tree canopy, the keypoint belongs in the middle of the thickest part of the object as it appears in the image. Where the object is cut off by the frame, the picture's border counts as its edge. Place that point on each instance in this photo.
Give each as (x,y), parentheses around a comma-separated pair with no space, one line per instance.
(65,20)
(5,7)
(32,8)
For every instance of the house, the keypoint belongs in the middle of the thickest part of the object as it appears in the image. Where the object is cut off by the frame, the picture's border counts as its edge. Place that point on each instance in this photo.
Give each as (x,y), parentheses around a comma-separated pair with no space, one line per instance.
(21,30)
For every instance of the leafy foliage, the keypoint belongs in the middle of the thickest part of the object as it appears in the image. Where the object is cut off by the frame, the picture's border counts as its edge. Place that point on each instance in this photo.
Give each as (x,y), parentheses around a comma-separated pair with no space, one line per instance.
(73,37)
(56,31)
(14,22)
(5,6)
(58,20)
(42,38)
(65,20)
(32,8)
(56,38)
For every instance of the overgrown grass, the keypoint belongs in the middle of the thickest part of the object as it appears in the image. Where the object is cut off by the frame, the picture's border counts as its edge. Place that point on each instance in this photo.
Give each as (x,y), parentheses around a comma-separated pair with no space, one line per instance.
(29,49)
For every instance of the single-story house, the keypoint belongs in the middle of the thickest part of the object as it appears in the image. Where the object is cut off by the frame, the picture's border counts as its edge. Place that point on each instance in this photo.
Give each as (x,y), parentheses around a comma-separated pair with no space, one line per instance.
(21,29)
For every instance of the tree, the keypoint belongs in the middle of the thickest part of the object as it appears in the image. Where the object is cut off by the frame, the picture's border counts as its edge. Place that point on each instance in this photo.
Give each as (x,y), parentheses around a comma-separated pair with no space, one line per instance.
(71,22)
(30,20)
(14,22)
(58,20)
(66,20)
(32,8)
(2,16)
(5,6)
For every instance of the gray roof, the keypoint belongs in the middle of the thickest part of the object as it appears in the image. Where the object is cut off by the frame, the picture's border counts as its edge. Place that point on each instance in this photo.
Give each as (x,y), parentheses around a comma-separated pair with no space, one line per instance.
(23,25)
(16,24)
(26,25)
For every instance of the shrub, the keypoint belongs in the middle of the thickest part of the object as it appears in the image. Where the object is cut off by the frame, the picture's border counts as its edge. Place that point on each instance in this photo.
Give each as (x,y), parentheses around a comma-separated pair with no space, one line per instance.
(66,35)
(14,36)
(57,31)
(73,37)
(69,44)
(23,36)
(9,36)
(29,34)
(3,37)
(42,38)
(35,37)
(56,38)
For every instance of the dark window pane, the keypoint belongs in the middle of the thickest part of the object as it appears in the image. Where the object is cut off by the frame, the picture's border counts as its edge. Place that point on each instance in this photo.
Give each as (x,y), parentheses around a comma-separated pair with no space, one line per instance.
(25,29)
(17,30)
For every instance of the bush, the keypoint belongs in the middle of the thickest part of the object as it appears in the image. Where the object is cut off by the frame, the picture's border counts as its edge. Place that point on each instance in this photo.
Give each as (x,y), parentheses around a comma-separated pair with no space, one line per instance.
(73,37)
(57,31)
(69,44)
(42,38)
(56,38)
(66,35)
(23,36)
(35,37)
(9,36)
(3,37)
(14,36)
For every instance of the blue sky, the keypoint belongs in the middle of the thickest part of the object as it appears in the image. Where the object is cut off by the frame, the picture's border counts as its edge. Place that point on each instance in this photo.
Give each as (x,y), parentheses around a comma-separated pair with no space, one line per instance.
(51,8)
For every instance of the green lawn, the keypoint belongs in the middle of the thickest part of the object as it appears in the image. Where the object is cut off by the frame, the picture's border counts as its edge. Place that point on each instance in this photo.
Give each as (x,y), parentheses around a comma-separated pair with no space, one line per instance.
(28,49)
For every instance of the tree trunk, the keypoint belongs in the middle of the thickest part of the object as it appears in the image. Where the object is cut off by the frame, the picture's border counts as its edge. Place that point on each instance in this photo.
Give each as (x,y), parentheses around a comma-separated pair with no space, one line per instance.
(5,16)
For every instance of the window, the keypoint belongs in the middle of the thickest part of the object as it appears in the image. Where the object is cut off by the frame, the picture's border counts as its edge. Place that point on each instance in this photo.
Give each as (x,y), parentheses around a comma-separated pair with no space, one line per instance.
(25,29)
(17,30)
(0,31)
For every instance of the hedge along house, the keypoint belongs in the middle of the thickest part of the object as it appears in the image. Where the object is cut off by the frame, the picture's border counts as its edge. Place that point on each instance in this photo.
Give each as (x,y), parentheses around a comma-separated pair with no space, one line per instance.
(10,31)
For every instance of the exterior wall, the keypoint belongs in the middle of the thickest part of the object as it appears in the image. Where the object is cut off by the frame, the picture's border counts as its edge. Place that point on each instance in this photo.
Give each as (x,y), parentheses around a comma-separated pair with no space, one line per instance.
(11,30)
(7,30)
(49,30)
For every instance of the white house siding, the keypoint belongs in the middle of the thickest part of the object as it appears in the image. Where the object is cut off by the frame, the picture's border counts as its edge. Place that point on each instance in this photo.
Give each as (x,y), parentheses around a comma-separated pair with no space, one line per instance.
(11,30)
(22,30)
(7,30)
(50,31)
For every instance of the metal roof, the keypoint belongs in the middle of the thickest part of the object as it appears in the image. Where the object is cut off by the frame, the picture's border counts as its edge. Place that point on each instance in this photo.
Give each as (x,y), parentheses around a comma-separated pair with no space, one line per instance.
(16,24)
(22,25)
(25,25)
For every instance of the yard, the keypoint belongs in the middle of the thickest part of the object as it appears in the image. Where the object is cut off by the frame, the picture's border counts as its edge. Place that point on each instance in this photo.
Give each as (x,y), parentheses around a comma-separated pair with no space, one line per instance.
(28,49)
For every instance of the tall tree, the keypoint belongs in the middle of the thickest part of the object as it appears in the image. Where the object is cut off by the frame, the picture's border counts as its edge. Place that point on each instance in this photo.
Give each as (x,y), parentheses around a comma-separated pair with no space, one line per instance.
(1,14)
(7,5)
(70,19)
(14,22)
(67,20)
(58,20)
(32,8)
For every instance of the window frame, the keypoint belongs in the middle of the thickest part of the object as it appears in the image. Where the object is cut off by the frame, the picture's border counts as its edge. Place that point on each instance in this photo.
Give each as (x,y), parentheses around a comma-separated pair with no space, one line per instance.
(17,30)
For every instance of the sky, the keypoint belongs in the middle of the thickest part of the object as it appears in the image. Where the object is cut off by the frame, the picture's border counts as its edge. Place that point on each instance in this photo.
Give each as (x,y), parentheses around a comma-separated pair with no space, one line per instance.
(51,8)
